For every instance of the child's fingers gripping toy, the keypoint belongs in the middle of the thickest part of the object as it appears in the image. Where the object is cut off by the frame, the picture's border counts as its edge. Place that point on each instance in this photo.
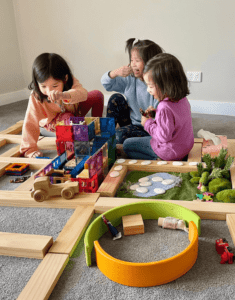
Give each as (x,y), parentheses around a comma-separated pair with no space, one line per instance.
(149,114)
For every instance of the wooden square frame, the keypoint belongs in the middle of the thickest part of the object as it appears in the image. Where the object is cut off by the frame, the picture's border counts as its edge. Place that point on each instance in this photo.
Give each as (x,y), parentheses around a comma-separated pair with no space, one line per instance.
(57,257)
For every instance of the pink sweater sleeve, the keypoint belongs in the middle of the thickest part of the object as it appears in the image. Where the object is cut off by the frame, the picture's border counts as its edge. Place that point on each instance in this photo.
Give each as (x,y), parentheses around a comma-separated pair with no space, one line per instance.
(162,128)
(77,93)
(30,132)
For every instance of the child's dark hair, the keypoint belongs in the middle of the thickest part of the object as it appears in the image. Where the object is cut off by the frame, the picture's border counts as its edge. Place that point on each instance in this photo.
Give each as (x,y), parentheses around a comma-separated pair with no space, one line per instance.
(49,65)
(146,48)
(168,74)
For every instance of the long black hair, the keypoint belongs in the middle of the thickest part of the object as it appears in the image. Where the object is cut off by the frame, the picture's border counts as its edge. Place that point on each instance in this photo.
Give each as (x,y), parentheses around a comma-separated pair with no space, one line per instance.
(49,65)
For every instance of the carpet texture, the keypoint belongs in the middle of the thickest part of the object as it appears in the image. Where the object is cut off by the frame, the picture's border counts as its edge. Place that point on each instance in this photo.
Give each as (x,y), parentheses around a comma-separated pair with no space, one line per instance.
(207,280)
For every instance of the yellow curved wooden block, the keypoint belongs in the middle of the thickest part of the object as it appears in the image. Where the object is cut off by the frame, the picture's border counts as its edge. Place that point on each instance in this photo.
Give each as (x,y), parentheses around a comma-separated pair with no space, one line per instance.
(152,273)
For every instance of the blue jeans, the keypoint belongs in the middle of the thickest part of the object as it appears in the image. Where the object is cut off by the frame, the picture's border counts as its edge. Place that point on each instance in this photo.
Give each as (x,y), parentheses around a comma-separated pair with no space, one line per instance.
(139,148)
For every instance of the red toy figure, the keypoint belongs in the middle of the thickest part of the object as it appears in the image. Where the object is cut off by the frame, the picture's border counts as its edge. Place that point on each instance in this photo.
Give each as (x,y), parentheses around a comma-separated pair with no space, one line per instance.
(227,256)
(114,232)
(222,247)
(220,244)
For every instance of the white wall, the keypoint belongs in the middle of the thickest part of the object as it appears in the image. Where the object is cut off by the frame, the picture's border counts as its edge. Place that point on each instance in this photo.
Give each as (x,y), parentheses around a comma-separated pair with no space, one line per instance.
(11,73)
(91,35)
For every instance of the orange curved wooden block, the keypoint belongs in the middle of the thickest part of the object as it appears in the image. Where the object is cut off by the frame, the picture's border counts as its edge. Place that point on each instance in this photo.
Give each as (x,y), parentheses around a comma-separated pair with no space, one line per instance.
(152,273)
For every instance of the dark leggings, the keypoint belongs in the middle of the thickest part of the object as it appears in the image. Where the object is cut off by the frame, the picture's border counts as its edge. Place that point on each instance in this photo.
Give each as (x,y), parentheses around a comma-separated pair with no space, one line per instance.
(119,110)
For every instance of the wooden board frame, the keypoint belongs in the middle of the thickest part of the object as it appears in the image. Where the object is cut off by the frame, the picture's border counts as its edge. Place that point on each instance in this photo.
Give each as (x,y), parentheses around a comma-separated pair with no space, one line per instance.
(85,206)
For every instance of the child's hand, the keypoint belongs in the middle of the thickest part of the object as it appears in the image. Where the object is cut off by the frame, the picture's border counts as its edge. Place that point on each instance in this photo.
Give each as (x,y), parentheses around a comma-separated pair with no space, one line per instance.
(55,96)
(151,112)
(143,120)
(150,108)
(124,71)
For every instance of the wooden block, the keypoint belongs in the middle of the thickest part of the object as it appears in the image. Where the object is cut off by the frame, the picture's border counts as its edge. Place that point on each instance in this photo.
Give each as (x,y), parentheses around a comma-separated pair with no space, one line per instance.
(23,199)
(196,153)
(44,279)
(110,184)
(205,210)
(47,143)
(155,167)
(34,163)
(13,152)
(14,129)
(2,142)
(133,224)
(232,174)
(71,234)
(230,220)
(2,168)
(24,245)
(198,140)
(11,138)
(231,147)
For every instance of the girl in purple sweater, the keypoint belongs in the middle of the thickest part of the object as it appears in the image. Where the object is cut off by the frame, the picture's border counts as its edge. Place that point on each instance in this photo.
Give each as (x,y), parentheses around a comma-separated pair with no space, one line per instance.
(171,132)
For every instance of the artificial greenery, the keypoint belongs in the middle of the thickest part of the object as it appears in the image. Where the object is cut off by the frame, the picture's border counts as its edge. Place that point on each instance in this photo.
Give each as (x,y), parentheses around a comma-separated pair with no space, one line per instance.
(187,191)
(216,168)
(218,184)
(227,196)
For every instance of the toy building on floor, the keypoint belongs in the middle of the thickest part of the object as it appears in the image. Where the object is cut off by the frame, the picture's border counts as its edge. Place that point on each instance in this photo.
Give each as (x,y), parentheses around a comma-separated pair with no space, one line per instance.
(86,146)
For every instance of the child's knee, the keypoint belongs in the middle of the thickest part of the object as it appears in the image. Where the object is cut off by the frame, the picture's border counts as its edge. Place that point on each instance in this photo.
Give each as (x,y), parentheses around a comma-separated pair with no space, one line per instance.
(97,95)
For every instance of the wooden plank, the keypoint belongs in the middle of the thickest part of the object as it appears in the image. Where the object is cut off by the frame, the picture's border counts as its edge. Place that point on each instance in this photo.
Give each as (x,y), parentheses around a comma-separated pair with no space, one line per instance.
(2,142)
(196,153)
(110,184)
(205,210)
(35,163)
(47,143)
(23,199)
(230,220)
(71,234)
(11,138)
(27,185)
(44,279)
(3,167)
(13,152)
(231,147)
(232,174)
(24,245)
(198,140)
(14,129)
(155,167)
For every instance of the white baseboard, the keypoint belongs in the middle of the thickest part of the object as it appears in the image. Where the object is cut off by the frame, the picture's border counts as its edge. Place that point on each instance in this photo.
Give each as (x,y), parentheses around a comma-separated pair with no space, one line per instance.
(212,107)
(14,97)
(203,107)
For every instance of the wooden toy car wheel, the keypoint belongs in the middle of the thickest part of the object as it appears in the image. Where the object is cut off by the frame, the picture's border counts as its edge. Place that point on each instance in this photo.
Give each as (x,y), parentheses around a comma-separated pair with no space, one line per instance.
(67,193)
(39,196)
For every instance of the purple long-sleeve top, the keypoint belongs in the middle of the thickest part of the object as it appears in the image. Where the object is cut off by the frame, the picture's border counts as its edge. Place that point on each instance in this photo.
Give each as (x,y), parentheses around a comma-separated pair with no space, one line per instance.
(171,130)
